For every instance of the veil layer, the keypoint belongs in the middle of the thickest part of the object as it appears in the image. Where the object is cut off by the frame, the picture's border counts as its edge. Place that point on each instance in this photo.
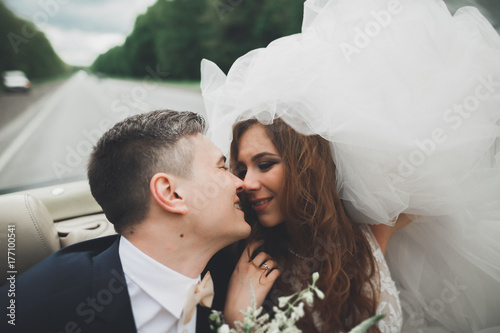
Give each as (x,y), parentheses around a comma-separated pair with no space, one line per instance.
(409,98)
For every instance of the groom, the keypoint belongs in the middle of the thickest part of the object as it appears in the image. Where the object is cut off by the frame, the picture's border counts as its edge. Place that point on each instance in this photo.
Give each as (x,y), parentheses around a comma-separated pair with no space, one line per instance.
(165,188)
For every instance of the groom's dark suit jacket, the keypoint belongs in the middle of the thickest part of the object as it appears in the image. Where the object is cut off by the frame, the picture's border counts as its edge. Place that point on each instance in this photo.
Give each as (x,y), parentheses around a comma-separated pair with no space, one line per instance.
(81,288)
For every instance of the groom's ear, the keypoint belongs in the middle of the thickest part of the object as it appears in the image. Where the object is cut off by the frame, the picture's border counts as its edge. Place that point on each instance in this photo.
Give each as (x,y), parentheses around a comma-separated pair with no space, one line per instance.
(163,188)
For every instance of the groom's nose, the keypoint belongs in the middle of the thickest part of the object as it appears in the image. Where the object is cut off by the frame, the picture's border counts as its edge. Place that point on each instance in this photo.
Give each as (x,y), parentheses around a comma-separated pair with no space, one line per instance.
(240,185)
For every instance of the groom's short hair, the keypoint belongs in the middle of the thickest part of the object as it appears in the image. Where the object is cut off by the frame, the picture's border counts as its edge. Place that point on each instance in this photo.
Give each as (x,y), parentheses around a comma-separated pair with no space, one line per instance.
(129,154)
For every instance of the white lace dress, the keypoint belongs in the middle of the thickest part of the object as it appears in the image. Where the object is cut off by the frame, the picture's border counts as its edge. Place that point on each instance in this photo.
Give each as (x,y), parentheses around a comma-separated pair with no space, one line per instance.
(389,303)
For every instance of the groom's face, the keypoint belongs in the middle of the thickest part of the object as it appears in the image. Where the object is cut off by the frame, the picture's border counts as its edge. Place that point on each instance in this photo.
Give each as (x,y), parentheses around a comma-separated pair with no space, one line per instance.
(213,200)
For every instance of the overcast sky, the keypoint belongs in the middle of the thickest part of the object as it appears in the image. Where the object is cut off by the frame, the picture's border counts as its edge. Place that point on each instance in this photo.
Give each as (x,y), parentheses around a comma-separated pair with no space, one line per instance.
(80,30)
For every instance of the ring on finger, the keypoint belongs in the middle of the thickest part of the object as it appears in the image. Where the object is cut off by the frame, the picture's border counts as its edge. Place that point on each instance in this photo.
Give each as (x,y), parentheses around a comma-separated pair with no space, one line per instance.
(265,266)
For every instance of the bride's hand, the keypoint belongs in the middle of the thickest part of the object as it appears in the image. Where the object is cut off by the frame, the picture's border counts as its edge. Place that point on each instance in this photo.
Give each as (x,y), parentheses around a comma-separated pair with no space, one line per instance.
(383,233)
(238,294)
(403,220)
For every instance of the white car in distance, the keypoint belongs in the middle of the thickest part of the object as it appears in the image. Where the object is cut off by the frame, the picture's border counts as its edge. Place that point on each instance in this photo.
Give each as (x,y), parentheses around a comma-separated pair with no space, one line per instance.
(16,81)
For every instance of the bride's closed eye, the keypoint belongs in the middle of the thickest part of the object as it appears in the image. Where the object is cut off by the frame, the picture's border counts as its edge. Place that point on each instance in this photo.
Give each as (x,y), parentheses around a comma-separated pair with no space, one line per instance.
(264,166)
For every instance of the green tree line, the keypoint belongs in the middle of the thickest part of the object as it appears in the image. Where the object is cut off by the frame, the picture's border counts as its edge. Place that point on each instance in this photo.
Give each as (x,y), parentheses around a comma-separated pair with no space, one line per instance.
(24,47)
(175,35)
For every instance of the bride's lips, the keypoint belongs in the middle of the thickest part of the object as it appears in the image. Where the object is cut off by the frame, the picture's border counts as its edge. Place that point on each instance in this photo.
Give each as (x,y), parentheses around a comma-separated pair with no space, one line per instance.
(261,204)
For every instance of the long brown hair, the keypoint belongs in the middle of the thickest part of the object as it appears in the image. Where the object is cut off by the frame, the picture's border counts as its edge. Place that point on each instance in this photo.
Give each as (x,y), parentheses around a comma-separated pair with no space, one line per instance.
(317,234)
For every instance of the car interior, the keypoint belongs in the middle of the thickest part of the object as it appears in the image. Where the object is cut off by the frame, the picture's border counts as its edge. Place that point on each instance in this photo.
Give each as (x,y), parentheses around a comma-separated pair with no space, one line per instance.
(46,220)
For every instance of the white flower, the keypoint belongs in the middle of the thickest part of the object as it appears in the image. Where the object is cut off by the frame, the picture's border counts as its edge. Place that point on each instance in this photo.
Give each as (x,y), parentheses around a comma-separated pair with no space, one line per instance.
(284,319)
(308,297)
(274,326)
(298,312)
(292,329)
(284,300)
(315,277)
(319,293)
(223,329)
(248,321)
(280,317)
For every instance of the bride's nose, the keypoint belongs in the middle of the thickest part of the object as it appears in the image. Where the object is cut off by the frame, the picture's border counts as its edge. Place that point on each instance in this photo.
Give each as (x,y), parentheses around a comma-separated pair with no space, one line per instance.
(251,181)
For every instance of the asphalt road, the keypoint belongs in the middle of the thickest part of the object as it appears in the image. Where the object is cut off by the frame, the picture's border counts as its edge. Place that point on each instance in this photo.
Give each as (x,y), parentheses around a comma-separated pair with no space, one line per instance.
(49,140)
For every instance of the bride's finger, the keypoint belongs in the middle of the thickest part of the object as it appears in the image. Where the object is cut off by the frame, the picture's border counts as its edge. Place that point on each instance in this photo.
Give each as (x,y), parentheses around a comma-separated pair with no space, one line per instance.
(269,277)
(270,266)
(249,250)
(260,259)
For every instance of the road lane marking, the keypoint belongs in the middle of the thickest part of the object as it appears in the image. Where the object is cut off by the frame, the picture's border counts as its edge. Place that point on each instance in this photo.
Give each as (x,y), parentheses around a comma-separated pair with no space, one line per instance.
(32,126)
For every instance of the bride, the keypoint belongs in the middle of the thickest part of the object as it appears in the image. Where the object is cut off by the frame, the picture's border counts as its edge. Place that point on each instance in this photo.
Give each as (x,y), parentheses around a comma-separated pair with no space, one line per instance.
(292,207)
(408,98)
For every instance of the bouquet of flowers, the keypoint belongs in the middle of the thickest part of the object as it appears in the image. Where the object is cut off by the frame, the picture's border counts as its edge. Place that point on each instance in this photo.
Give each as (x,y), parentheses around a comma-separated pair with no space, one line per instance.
(289,310)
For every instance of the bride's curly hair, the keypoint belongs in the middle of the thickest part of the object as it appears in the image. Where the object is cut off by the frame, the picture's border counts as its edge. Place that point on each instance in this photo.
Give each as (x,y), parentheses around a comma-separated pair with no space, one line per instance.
(317,234)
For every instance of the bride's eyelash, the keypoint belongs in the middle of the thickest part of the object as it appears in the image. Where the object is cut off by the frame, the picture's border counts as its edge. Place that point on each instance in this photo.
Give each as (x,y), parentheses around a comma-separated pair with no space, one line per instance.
(263,166)
(266,165)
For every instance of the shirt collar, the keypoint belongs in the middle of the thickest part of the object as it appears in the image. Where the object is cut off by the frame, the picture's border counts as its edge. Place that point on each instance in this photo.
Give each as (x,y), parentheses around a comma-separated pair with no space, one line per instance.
(163,284)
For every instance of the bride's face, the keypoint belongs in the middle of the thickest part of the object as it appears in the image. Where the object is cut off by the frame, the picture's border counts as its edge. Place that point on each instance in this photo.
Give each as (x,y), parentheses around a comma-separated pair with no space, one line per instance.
(259,165)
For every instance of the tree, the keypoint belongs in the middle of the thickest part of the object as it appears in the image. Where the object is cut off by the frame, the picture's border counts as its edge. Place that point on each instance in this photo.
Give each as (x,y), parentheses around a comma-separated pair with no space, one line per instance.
(175,35)
(24,47)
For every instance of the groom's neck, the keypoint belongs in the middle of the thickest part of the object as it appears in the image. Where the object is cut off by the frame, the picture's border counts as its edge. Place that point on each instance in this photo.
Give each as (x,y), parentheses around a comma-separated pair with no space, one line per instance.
(177,249)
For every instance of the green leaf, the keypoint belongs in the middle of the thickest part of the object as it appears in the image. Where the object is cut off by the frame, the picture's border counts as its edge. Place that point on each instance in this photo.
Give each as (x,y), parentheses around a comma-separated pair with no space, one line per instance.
(365,325)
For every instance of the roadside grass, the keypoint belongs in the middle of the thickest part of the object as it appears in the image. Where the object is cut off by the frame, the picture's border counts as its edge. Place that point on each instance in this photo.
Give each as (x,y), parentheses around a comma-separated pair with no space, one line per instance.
(186,84)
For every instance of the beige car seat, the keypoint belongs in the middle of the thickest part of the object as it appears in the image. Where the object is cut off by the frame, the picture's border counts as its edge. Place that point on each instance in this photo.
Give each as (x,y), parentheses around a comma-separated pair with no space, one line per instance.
(37,235)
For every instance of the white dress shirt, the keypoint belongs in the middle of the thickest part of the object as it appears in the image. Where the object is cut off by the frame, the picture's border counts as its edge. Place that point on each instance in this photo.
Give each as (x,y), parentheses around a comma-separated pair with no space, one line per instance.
(157,293)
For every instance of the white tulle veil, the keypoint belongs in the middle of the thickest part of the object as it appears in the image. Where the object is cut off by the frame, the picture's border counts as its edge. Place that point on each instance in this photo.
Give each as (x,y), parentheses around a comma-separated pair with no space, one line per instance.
(409,97)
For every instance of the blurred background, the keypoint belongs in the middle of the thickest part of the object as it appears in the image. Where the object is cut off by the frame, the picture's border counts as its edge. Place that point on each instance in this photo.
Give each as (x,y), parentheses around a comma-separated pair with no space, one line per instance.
(72,68)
